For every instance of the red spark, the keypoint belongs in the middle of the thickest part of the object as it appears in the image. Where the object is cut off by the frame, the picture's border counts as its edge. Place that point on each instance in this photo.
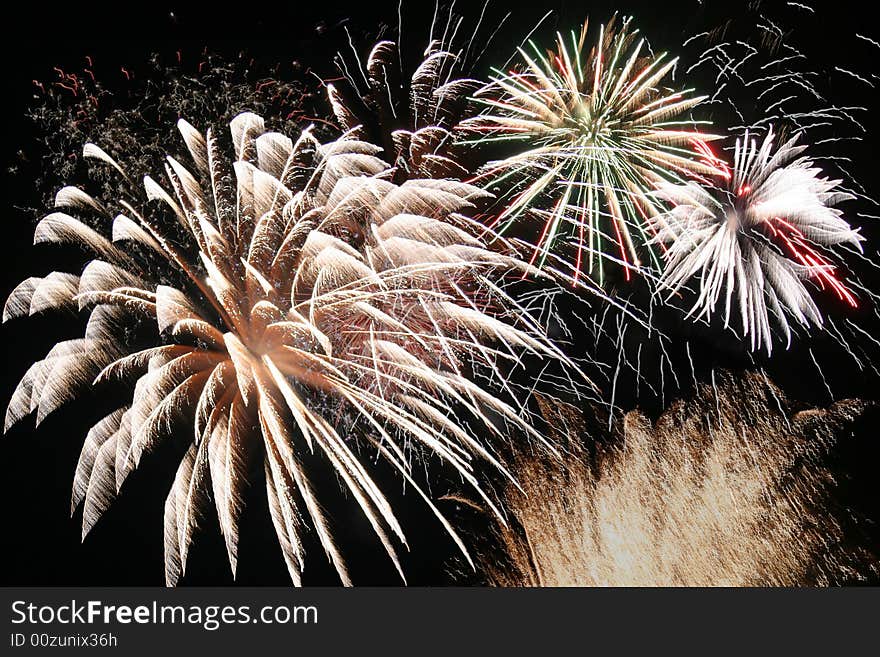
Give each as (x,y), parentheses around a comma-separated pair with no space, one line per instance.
(710,158)
(822,269)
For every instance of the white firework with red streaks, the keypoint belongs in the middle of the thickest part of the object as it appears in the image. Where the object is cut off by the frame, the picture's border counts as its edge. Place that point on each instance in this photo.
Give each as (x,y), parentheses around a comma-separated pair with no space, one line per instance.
(753,241)
(299,303)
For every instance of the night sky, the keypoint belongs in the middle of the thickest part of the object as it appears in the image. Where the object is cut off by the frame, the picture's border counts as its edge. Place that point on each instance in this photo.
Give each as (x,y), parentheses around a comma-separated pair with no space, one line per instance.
(41,542)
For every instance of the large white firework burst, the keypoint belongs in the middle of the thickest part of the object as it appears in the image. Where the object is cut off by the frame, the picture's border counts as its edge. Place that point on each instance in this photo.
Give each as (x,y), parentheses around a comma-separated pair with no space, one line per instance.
(756,238)
(599,133)
(299,302)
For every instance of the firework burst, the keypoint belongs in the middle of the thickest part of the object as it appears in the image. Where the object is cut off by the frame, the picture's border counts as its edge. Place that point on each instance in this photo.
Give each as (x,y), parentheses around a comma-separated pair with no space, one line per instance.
(600,134)
(757,238)
(726,488)
(411,117)
(295,296)
(412,111)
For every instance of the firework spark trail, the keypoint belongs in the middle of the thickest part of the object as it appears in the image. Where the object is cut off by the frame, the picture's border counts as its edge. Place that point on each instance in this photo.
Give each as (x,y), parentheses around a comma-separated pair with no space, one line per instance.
(725,489)
(317,299)
(763,76)
(209,86)
(412,114)
(769,78)
(598,134)
(755,239)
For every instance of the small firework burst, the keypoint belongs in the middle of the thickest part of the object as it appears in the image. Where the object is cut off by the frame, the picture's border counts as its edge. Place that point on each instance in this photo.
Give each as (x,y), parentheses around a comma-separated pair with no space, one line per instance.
(756,238)
(599,133)
(412,117)
(295,296)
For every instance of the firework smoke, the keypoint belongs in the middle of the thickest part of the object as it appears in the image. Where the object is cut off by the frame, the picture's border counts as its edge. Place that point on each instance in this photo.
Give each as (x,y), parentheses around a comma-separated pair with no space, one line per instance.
(295,296)
(725,489)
